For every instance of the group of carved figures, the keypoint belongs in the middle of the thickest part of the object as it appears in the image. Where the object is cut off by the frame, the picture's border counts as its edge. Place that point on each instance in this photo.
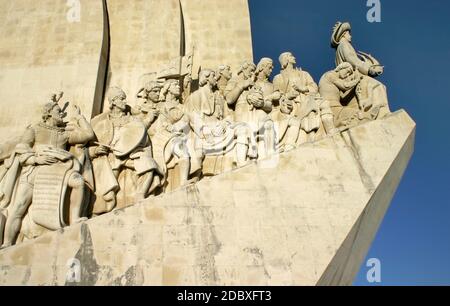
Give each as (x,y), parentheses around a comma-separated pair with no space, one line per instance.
(62,172)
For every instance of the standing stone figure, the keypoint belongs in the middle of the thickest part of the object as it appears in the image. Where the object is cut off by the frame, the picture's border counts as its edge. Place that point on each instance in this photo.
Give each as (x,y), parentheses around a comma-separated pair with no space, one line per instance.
(263,71)
(299,86)
(45,170)
(122,144)
(287,125)
(293,81)
(223,76)
(148,107)
(371,94)
(338,87)
(215,136)
(169,136)
(251,108)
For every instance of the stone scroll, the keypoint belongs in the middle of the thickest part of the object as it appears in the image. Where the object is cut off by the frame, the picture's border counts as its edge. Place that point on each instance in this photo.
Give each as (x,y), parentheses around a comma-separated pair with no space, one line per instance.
(48,195)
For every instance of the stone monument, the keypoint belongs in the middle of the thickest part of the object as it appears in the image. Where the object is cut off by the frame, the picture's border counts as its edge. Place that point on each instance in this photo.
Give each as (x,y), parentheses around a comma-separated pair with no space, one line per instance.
(178,161)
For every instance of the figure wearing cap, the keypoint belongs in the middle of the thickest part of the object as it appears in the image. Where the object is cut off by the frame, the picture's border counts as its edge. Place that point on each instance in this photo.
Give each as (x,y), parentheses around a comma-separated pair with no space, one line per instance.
(251,108)
(45,169)
(148,106)
(170,141)
(371,95)
(216,138)
(341,40)
(122,144)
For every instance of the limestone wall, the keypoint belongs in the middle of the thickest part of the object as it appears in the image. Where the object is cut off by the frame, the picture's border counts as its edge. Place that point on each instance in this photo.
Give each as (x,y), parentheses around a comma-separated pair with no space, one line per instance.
(145,35)
(219,30)
(40,52)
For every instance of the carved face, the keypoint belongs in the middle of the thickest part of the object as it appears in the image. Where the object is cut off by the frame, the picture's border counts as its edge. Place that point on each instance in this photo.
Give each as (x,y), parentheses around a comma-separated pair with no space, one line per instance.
(345,73)
(57,115)
(249,72)
(286,106)
(175,89)
(292,59)
(226,73)
(153,94)
(348,36)
(288,58)
(121,102)
(212,79)
(268,69)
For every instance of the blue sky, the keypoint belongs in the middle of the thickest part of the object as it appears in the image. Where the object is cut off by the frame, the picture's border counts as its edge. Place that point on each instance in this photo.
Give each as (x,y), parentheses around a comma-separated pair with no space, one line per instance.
(413,43)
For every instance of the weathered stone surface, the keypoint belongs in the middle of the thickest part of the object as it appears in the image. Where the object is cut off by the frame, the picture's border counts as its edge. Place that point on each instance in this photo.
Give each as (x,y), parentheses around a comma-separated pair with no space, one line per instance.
(308,218)
(219,31)
(41,51)
(145,35)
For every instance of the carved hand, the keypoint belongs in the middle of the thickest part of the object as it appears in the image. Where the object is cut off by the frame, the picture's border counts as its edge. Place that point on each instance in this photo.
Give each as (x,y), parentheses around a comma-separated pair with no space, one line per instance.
(101,150)
(376,70)
(256,99)
(247,83)
(301,89)
(350,84)
(45,160)
(206,131)
(219,130)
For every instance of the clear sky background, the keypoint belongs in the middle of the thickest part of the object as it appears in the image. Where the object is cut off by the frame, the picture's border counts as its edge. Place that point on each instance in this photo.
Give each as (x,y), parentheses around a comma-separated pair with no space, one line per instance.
(412,41)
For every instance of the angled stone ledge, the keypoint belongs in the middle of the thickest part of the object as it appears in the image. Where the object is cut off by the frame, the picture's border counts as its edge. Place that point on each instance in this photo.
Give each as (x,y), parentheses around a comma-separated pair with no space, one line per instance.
(306,217)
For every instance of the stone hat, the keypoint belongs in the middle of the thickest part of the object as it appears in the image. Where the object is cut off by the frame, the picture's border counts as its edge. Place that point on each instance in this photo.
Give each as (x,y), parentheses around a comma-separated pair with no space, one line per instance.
(154,84)
(338,30)
(115,92)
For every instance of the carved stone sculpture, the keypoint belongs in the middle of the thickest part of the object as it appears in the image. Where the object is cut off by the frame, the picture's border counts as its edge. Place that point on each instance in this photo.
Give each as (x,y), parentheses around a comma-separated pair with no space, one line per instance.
(299,86)
(271,95)
(169,136)
(41,171)
(148,106)
(352,97)
(223,76)
(337,88)
(302,217)
(160,144)
(251,107)
(287,125)
(371,94)
(216,136)
(122,143)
